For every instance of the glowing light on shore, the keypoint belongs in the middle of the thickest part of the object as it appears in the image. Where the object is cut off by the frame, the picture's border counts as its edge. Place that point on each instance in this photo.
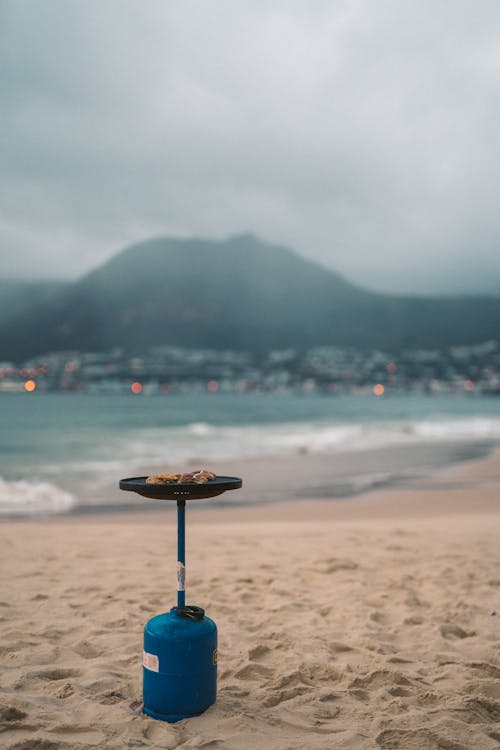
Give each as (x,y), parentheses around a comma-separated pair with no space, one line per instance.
(136,388)
(378,389)
(469,385)
(212,386)
(30,386)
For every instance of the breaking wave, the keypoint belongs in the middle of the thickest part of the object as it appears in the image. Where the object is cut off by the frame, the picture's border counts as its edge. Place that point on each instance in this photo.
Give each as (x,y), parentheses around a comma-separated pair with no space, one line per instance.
(33,498)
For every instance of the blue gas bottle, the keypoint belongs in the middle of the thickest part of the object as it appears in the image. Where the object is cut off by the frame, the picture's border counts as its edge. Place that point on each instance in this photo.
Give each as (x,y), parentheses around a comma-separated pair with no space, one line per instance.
(179,664)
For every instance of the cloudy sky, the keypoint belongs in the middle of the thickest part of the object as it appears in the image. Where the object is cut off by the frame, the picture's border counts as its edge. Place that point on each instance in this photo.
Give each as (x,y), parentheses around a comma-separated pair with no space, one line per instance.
(363,134)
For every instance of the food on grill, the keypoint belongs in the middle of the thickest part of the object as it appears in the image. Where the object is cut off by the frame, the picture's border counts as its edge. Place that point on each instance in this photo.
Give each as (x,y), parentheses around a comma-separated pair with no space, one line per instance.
(200,476)
(162,478)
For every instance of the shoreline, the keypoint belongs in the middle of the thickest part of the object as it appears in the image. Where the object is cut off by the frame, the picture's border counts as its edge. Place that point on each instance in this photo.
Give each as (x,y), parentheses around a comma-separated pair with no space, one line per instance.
(446,491)
(390,502)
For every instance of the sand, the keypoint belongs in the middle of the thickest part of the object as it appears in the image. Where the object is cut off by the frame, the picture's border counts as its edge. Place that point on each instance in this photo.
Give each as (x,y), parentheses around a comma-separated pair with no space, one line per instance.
(366,623)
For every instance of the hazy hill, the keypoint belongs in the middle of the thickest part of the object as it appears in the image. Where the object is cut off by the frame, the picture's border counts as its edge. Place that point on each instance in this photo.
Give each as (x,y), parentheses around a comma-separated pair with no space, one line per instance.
(17,295)
(239,293)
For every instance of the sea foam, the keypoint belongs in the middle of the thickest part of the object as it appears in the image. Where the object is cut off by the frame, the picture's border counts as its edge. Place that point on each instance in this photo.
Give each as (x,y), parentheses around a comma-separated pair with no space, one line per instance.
(33,498)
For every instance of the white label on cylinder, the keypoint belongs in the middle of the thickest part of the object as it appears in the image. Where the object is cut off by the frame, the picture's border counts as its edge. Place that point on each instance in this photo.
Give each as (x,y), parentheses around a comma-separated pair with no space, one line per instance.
(181,576)
(150,661)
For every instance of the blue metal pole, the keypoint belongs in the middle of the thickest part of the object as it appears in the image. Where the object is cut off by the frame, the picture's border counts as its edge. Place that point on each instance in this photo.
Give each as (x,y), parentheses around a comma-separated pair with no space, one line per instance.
(181,553)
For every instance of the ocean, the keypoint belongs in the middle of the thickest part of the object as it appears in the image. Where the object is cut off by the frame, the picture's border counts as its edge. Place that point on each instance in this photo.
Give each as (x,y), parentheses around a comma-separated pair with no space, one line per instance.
(63,453)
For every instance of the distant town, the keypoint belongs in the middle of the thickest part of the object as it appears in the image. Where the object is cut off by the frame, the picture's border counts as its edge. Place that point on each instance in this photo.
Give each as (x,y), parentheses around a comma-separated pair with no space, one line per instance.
(324,370)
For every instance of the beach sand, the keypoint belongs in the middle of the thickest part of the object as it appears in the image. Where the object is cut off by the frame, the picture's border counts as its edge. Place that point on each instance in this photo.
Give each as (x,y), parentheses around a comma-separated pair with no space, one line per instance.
(371,622)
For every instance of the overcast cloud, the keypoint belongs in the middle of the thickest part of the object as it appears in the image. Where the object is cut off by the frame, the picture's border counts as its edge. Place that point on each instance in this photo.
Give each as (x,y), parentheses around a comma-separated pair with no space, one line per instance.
(363,134)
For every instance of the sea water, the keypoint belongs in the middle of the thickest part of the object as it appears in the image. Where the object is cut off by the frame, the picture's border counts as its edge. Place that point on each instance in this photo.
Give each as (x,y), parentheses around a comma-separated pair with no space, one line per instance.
(55,448)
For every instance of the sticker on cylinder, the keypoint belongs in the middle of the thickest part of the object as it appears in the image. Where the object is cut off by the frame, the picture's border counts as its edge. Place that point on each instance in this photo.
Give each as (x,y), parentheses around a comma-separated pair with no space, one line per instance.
(150,661)
(181,576)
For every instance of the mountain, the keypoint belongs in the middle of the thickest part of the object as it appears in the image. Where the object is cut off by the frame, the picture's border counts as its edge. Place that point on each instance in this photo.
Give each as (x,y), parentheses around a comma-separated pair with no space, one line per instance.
(17,295)
(238,293)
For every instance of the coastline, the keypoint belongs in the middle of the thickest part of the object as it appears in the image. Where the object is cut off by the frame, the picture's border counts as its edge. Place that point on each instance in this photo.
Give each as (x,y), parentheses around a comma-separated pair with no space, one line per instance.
(372,622)
(446,491)
(290,479)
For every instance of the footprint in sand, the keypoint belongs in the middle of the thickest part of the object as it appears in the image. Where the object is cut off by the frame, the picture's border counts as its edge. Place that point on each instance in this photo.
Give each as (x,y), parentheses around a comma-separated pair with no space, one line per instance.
(79,735)
(253,671)
(302,713)
(479,710)
(38,743)
(413,620)
(429,699)
(10,714)
(280,696)
(338,647)
(259,652)
(400,692)
(86,650)
(332,565)
(455,631)
(65,691)
(486,669)
(54,674)
(110,697)
(380,618)
(380,678)
(122,622)
(412,600)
